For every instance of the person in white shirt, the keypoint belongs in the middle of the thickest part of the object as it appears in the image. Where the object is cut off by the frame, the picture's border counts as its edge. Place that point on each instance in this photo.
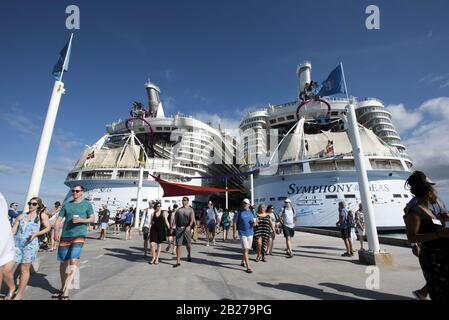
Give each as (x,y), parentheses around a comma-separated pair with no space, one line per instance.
(145,225)
(7,250)
(288,220)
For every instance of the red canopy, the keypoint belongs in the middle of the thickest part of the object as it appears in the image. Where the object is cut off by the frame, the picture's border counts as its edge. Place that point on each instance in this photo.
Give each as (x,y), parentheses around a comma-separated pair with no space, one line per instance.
(177,189)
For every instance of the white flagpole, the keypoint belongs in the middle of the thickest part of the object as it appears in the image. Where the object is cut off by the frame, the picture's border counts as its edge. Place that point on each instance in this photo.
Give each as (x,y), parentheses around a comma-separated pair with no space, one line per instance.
(359,159)
(139,198)
(47,132)
(44,144)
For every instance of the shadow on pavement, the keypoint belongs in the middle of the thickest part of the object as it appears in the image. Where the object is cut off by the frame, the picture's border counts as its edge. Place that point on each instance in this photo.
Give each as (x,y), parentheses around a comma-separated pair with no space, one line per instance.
(365,293)
(323,248)
(342,259)
(39,280)
(307,291)
(129,255)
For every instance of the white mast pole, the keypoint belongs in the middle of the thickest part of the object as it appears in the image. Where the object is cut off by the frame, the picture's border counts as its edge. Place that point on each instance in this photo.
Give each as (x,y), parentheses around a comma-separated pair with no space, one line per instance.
(139,198)
(359,159)
(44,144)
(252,188)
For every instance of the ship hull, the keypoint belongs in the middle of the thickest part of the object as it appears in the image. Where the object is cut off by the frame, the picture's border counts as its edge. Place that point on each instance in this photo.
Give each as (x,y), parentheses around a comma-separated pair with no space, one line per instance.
(122,194)
(315,196)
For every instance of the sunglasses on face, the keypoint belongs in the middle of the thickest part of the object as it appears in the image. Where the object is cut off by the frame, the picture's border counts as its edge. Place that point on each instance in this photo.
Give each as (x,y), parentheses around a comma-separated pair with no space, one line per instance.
(32,203)
(185,200)
(77,191)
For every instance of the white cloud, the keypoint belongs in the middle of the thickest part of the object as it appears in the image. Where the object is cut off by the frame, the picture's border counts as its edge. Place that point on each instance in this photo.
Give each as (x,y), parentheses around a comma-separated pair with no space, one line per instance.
(427,143)
(402,119)
(437,108)
(441,80)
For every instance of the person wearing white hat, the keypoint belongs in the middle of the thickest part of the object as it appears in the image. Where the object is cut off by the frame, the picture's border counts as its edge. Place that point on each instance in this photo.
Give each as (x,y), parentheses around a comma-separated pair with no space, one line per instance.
(7,250)
(244,222)
(288,221)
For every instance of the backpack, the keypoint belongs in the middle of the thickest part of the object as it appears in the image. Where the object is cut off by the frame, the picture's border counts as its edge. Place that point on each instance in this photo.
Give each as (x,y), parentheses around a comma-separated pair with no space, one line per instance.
(349,220)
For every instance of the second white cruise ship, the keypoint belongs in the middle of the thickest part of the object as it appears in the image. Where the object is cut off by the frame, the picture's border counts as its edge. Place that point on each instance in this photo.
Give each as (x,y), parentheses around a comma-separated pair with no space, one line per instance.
(303,152)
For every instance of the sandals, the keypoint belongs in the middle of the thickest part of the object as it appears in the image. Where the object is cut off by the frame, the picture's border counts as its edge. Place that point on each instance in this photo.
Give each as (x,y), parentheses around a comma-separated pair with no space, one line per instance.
(176,265)
(242,264)
(57,294)
(64,298)
(249,270)
(9,297)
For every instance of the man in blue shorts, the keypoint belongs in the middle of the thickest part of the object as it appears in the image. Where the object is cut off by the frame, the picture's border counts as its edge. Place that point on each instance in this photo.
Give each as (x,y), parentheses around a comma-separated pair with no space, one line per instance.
(244,222)
(78,213)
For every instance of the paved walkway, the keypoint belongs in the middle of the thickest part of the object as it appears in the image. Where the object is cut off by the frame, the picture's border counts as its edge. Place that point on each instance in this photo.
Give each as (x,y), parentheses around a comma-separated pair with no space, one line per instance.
(116,269)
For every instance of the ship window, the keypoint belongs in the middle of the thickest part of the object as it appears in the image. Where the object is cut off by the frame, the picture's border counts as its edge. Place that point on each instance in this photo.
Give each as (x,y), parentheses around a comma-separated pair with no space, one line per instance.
(345,165)
(331,196)
(97,199)
(87,175)
(167,128)
(159,129)
(322,165)
(103,175)
(272,121)
(128,174)
(272,199)
(290,117)
(405,195)
(282,198)
(72,175)
(281,119)
(334,113)
(262,199)
(350,196)
(145,200)
(134,200)
(173,201)
(397,196)
(167,201)
(409,165)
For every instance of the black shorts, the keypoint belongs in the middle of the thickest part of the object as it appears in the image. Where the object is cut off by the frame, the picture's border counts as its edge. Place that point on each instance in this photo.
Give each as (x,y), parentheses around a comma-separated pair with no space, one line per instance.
(128,224)
(288,232)
(146,236)
(346,233)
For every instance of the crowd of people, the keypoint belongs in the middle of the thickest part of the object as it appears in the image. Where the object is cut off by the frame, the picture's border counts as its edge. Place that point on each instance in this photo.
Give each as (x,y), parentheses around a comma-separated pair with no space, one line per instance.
(65,229)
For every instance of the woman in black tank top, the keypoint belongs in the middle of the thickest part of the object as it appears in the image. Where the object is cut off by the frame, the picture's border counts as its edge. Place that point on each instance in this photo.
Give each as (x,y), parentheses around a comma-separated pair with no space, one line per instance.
(423,226)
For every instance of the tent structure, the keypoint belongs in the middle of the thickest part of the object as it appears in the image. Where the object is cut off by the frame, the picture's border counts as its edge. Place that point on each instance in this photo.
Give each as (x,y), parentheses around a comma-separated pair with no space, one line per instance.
(177,189)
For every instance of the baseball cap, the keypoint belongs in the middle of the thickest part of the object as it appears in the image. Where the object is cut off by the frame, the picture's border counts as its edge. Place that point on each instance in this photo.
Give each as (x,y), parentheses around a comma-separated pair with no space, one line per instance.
(287,200)
(246,201)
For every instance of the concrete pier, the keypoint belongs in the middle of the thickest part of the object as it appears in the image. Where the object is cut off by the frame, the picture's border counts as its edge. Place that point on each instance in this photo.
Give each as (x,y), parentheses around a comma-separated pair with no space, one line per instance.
(116,269)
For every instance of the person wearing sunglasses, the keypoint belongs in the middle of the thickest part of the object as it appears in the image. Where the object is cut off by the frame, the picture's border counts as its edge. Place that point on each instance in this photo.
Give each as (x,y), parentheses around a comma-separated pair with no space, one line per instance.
(78,213)
(12,212)
(27,229)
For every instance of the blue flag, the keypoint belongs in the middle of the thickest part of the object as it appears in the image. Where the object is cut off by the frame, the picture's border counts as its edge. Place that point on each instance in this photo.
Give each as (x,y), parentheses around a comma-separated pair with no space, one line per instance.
(333,84)
(64,59)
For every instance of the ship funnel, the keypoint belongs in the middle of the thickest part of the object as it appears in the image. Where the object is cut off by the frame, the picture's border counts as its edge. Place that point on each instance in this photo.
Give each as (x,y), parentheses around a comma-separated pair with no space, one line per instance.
(304,74)
(154,101)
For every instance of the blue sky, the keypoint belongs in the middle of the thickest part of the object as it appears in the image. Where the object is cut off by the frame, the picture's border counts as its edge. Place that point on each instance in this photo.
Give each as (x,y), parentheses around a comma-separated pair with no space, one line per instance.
(212,59)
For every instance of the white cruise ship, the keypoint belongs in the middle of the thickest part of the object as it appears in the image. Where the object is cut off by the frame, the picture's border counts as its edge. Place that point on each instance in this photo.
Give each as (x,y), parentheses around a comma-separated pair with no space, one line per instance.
(176,148)
(303,152)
